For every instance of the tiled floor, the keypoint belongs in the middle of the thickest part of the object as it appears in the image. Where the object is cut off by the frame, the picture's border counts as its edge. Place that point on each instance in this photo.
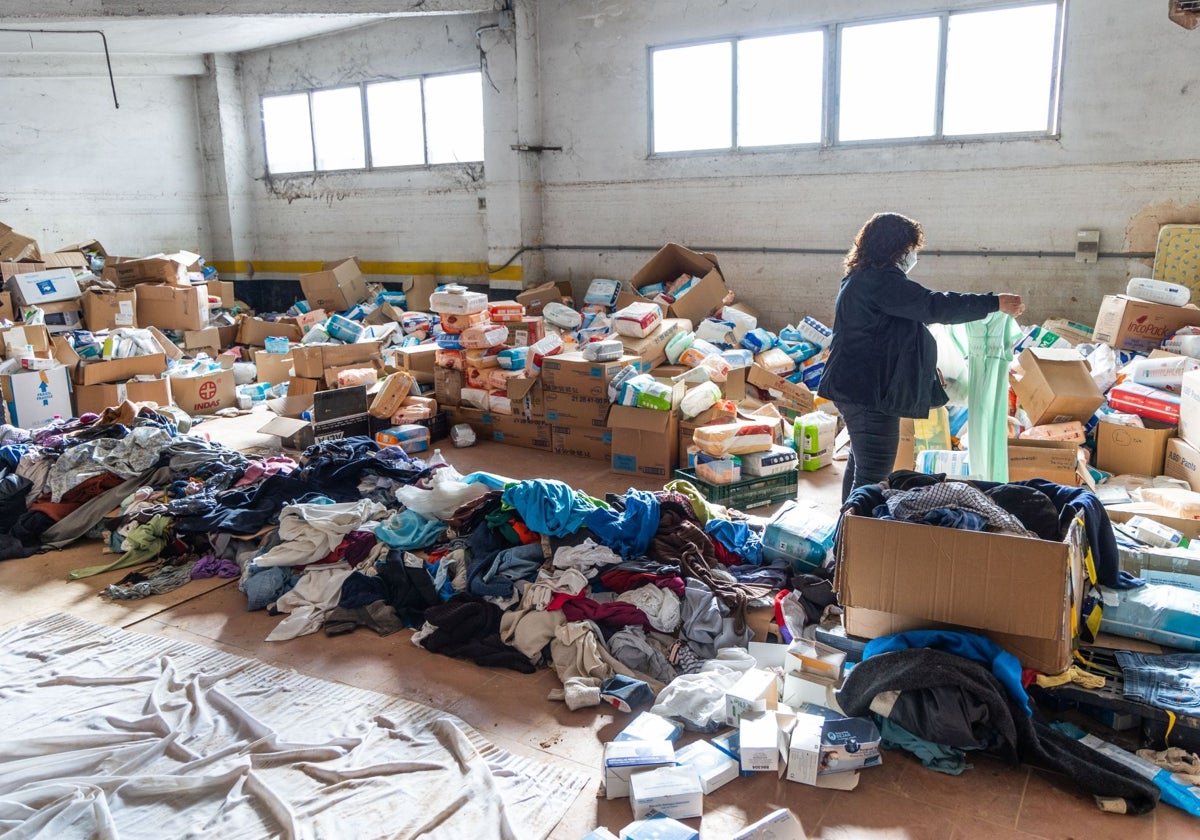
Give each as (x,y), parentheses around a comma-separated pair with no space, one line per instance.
(898,800)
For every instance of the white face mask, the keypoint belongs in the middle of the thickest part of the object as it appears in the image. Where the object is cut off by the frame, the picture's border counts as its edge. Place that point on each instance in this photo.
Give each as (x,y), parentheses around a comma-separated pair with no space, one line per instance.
(908,261)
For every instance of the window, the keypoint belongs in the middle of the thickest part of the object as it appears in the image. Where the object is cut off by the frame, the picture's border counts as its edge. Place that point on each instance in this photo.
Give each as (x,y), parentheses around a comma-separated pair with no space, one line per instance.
(945,75)
(408,122)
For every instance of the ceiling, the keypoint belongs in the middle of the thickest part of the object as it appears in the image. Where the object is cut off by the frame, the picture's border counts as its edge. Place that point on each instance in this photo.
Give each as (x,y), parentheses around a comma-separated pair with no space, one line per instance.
(193,35)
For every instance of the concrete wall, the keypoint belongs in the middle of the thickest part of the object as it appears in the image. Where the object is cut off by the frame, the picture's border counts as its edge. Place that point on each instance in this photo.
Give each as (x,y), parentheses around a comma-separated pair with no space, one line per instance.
(74,168)
(1125,162)
(397,215)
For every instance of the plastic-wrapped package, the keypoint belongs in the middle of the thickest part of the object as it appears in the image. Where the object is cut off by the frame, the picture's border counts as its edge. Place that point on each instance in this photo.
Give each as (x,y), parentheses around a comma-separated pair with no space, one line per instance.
(316,334)
(678,344)
(1164,372)
(716,331)
(644,391)
(513,358)
(758,340)
(413,323)
(505,311)
(799,351)
(357,376)
(474,398)
(482,336)
(602,291)
(953,464)
(458,300)
(343,329)
(735,438)
(618,382)
(742,322)
(637,320)
(739,357)
(717,366)
(461,434)
(499,403)
(453,359)
(411,438)
(497,380)
(562,316)
(1183,504)
(697,700)
(603,351)
(814,331)
(698,400)
(1071,431)
(776,361)
(551,345)
(450,341)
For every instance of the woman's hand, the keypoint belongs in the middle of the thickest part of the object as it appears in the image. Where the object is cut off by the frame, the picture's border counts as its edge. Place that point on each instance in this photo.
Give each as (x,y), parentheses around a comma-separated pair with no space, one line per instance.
(1011,305)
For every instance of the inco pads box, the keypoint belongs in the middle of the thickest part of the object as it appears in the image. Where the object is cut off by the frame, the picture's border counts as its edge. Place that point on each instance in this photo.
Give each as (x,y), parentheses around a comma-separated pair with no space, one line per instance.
(1132,324)
(1018,591)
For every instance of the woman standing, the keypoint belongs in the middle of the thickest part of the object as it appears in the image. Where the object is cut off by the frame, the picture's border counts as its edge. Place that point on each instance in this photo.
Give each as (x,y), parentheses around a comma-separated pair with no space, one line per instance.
(882,360)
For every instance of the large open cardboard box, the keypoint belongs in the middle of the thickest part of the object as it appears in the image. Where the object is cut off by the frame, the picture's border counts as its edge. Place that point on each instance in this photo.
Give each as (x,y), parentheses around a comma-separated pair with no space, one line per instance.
(671,261)
(337,286)
(1021,592)
(1056,386)
(171,307)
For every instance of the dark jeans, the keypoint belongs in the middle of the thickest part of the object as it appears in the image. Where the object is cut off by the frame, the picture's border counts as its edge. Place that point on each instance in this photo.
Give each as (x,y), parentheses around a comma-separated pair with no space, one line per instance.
(874,438)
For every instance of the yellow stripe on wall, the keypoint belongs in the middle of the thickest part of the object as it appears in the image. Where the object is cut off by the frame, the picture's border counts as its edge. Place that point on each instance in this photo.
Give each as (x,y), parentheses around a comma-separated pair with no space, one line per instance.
(439,269)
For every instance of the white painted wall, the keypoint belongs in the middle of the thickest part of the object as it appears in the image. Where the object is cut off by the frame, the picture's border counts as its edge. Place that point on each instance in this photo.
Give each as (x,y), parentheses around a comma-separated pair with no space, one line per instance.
(74,168)
(397,215)
(1126,156)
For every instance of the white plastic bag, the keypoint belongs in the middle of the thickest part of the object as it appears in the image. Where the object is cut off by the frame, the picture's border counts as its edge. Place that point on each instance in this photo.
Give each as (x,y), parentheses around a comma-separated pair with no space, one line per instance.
(447,493)
(698,700)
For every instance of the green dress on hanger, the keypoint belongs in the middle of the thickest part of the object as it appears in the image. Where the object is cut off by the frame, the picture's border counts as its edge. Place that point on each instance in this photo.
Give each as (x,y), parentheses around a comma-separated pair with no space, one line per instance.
(989,342)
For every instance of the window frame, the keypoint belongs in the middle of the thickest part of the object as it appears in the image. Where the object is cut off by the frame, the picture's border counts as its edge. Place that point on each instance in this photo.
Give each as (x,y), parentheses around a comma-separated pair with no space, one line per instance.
(366,126)
(831,92)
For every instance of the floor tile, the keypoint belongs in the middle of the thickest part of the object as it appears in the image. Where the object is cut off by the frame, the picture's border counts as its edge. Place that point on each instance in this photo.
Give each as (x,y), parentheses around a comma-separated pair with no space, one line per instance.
(1055,809)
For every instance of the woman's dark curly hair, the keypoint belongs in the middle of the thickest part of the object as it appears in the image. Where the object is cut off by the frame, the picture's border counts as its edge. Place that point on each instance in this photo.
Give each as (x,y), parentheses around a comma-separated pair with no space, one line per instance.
(883,240)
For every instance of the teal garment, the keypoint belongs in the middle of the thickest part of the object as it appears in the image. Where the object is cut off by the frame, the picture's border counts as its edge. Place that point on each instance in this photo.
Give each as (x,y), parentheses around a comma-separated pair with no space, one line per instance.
(145,542)
(989,342)
(409,530)
(939,757)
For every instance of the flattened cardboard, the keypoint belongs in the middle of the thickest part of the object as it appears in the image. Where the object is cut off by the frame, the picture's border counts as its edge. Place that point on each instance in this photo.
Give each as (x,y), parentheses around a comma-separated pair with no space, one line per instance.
(1132,324)
(906,575)
(796,393)
(14,246)
(644,441)
(71,259)
(172,307)
(1056,387)
(337,286)
(11,269)
(1129,450)
(110,310)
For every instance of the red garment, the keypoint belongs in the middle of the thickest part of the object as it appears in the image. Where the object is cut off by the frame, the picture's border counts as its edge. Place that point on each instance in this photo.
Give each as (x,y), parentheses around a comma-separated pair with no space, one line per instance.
(616,613)
(76,496)
(727,556)
(621,580)
(557,602)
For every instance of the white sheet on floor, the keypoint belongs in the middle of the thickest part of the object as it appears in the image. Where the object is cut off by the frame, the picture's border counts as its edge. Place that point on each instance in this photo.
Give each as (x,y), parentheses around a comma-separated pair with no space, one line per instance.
(114,734)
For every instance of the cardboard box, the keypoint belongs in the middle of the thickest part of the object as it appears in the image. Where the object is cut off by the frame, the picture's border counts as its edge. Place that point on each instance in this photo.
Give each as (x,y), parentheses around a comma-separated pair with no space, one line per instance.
(780,824)
(794,397)
(652,350)
(177,269)
(96,398)
(1056,386)
(71,259)
(337,286)
(1182,461)
(672,260)
(7,312)
(89,372)
(171,307)
(804,749)
(755,691)
(274,367)
(225,291)
(517,431)
(255,332)
(527,397)
(34,398)
(448,385)
(570,373)
(644,442)
(624,758)
(416,360)
(575,410)
(293,431)
(1189,408)
(14,340)
(92,246)
(672,791)
(526,332)
(34,288)
(312,360)
(1128,450)
(896,576)
(582,442)
(109,310)
(12,269)
(14,246)
(62,316)
(535,299)
(210,340)
(417,290)
(711,765)
(1053,460)
(758,742)
(204,394)
(1132,324)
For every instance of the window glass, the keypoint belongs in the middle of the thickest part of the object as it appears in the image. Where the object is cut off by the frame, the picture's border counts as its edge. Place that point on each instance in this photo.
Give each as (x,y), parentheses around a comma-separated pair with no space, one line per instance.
(780,85)
(888,81)
(454,117)
(288,133)
(338,129)
(394,110)
(999,70)
(692,98)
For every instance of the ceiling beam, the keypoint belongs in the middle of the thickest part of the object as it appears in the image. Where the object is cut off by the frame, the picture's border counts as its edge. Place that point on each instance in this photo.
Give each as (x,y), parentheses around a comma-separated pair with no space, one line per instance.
(84,65)
(74,10)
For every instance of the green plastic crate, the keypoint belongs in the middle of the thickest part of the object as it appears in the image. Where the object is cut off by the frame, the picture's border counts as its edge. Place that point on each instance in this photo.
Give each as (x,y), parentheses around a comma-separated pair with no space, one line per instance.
(748,493)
